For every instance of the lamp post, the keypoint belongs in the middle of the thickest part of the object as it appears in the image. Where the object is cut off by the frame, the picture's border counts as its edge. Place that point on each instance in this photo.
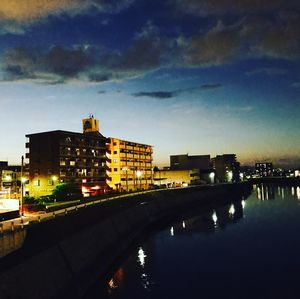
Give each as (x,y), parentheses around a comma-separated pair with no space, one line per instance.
(23,180)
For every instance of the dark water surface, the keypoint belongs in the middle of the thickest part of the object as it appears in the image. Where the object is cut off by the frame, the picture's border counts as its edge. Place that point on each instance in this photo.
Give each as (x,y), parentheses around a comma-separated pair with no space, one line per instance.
(248,248)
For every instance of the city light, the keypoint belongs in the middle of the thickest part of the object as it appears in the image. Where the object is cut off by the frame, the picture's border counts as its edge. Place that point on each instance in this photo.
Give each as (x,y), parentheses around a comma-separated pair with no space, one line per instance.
(8,178)
(138,173)
(141,256)
(54,178)
(23,180)
(230,176)
(231,210)
(243,204)
(214,217)
(172,231)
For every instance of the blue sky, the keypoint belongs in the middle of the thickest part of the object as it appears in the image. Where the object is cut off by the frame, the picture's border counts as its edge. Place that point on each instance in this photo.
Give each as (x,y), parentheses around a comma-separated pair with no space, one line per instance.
(197,77)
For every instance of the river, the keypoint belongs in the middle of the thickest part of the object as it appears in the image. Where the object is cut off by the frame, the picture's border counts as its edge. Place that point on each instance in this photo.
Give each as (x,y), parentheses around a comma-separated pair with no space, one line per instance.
(247,248)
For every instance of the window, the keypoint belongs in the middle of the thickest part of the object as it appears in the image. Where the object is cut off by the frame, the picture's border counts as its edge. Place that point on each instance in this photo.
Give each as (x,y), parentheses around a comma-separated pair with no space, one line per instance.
(115,169)
(72,163)
(36,183)
(50,182)
(115,152)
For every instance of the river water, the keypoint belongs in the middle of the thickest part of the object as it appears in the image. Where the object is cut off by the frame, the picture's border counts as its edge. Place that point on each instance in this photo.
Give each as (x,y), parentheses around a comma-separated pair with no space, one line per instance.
(246,248)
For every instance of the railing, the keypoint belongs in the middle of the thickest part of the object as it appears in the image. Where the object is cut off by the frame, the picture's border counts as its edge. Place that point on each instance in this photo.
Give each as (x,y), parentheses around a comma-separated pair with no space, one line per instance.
(12,225)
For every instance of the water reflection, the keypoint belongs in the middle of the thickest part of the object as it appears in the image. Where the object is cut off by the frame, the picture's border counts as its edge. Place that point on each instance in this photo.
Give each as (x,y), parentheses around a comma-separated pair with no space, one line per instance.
(116,281)
(187,253)
(141,256)
(267,192)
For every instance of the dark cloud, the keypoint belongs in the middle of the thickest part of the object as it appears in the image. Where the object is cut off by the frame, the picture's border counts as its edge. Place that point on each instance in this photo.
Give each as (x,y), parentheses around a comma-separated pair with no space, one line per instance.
(87,62)
(211,86)
(156,94)
(146,50)
(216,47)
(267,71)
(221,7)
(247,37)
(174,93)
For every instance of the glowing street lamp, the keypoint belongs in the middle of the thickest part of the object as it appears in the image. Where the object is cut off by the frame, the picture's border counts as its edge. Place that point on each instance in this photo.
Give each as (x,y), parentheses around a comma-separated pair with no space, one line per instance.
(54,178)
(212,177)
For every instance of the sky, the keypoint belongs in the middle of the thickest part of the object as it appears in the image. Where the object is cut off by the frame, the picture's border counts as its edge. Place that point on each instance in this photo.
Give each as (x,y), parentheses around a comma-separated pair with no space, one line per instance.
(186,76)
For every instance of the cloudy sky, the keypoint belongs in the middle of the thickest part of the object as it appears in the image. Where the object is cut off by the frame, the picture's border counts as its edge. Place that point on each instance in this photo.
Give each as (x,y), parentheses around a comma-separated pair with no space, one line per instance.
(187,76)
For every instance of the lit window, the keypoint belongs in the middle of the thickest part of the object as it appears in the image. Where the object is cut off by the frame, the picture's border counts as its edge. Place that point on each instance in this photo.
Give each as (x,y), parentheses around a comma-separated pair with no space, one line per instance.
(72,163)
(36,182)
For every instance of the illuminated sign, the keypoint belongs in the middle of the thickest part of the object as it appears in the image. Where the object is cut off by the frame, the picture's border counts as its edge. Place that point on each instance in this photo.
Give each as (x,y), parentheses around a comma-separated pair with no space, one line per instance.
(9,205)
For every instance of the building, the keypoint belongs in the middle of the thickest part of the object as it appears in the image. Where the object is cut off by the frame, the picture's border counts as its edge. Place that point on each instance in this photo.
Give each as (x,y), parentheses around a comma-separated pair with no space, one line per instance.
(10,181)
(183,162)
(264,169)
(10,191)
(176,178)
(129,165)
(66,157)
(226,168)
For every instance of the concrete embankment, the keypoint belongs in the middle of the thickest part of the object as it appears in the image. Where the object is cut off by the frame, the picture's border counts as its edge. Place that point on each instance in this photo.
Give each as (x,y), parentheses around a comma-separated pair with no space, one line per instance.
(61,258)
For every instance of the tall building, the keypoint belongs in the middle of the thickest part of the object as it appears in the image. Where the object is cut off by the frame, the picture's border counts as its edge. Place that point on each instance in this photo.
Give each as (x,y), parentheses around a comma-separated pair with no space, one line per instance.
(183,162)
(264,169)
(129,165)
(66,157)
(226,168)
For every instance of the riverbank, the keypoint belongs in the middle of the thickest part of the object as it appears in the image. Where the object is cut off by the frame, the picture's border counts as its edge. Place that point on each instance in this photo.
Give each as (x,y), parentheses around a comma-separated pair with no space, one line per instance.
(58,254)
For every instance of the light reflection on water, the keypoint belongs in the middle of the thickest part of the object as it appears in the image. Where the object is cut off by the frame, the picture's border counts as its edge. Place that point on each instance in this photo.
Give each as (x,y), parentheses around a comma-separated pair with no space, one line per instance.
(248,248)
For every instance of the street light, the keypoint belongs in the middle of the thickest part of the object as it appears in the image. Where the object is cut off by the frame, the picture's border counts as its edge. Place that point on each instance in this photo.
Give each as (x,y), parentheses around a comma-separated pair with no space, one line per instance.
(54,178)
(23,181)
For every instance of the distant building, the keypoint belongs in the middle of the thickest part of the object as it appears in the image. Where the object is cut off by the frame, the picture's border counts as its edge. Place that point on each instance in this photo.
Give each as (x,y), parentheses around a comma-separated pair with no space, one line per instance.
(10,180)
(182,162)
(176,178)
(66,157)
(226,168)
(264,169)
(129,165)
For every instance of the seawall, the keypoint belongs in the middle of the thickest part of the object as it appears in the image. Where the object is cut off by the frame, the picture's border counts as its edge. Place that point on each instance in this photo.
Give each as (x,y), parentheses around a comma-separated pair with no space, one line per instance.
(61,258)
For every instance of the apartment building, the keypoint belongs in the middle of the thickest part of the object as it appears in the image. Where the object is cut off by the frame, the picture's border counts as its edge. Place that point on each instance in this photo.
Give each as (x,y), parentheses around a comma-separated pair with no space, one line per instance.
(129,165)
(67,157)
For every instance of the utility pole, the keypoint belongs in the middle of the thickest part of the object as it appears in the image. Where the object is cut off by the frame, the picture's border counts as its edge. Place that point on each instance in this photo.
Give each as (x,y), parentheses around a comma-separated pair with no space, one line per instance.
(22,185)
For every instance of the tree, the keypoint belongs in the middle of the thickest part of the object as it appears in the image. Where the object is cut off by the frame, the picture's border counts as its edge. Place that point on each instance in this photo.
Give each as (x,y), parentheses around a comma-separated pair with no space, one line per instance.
(64,192)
